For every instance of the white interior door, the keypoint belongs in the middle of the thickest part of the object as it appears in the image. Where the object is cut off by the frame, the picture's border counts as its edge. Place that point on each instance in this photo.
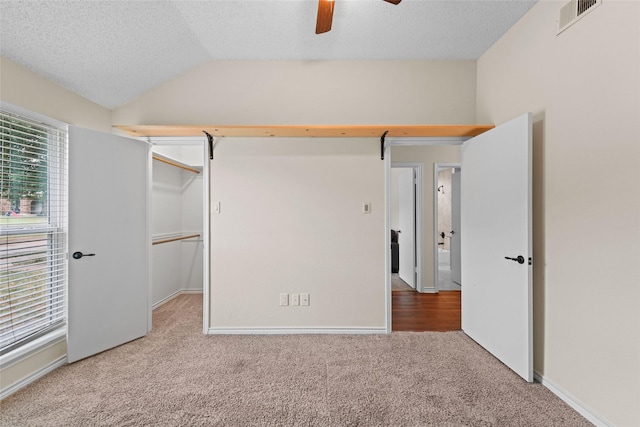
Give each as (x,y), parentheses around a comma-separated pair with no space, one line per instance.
(496,225)
(108,224)
(454,244)
(406,226)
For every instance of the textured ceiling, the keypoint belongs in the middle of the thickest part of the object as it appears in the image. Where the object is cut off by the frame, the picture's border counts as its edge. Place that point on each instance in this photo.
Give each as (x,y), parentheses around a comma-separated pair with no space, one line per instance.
(111,51)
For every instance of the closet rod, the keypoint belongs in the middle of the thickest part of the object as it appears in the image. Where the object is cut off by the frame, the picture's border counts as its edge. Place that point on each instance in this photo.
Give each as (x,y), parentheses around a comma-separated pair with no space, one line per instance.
(173,239)
(178,165)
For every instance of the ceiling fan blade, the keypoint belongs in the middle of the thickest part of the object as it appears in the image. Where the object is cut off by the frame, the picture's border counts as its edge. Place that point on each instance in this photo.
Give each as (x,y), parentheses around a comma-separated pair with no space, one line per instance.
(393,1)
(325,16)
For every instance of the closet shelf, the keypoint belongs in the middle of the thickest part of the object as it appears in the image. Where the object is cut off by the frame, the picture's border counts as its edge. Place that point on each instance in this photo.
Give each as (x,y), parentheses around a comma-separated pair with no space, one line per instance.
(176,163)
(174,239)
(339,131)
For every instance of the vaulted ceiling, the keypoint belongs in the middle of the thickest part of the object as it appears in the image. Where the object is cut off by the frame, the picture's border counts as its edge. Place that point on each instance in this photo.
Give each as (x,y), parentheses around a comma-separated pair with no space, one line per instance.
(111,51)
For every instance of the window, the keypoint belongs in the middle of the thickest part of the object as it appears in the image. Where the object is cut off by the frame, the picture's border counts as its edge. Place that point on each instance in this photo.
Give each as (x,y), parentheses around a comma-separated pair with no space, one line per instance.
(33,229)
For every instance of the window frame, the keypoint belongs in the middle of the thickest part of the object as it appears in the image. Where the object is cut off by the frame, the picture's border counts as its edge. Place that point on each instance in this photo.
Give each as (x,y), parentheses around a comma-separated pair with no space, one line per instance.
(57,239)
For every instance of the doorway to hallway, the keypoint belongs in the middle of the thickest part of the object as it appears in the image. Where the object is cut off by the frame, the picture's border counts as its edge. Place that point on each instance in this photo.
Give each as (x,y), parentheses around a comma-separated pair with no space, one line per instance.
(406,223)
(446,204)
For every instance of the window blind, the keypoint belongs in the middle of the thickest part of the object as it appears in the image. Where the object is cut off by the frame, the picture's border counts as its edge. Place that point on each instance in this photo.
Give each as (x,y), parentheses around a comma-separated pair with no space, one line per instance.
(33,229)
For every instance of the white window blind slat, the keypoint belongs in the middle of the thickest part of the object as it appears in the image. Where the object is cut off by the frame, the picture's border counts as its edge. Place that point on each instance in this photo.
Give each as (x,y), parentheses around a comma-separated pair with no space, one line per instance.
(24,314)
(33,230)
(28,298)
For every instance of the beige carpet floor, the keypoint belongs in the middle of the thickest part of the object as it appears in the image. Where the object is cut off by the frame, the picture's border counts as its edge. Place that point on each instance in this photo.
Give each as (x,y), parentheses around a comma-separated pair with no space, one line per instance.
(176,376)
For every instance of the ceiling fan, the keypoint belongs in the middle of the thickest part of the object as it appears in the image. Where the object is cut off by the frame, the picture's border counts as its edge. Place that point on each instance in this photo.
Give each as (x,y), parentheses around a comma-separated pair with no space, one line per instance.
(325,14)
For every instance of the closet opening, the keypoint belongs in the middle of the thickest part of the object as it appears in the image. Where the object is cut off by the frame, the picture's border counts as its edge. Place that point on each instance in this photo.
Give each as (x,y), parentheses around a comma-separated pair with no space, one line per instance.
(179,230)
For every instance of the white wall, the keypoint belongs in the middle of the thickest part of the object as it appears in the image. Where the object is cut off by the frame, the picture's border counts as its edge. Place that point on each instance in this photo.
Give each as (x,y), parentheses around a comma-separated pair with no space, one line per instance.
(393,195)
(583,87)
(166,220)
(192,220)
(427,155)
(291,221)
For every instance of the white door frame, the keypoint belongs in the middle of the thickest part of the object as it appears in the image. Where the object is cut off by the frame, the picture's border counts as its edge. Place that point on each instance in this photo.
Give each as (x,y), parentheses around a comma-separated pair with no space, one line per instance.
(417,216)
(390,142)
(437,167)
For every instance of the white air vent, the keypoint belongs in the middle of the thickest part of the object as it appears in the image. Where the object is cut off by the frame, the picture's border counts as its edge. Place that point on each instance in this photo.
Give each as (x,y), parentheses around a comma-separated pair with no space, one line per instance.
(573,11)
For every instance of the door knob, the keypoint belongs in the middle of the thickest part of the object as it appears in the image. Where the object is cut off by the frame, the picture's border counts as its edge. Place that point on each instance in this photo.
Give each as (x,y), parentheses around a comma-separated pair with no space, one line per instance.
(78,255)
(519,259)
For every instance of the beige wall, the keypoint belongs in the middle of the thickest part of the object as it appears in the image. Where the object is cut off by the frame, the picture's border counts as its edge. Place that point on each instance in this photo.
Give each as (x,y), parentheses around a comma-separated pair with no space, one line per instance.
(291,221)
(427,155)
(311,92)
(48,356)
(583,88)
(28,90)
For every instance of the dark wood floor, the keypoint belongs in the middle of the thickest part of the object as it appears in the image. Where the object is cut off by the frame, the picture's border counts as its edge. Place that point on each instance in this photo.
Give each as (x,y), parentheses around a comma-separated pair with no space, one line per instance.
(413,311)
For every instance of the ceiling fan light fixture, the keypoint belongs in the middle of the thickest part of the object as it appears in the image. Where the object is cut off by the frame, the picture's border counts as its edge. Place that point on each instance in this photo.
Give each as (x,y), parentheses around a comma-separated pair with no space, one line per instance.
(325,16)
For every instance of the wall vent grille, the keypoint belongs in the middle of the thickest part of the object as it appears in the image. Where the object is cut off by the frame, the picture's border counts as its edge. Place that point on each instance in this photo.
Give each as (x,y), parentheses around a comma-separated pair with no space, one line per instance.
(571,12)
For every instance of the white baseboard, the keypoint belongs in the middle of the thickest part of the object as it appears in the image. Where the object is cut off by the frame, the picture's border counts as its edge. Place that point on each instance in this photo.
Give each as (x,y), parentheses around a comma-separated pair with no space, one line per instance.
(62,360)
(575,403)
(290,331)
(174,295)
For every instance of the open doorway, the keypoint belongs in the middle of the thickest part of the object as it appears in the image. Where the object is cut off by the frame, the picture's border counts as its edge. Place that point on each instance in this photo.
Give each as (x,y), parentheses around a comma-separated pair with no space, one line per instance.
(425,309)
(179,226)
(446,206)
(406,226)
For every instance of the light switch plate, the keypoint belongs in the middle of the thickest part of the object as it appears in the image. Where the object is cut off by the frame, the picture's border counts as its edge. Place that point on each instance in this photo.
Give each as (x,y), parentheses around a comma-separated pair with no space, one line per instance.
(366,208)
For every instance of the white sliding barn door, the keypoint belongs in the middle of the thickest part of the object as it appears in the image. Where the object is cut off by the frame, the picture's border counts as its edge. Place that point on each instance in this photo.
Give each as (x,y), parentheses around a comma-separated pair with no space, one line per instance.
(108,215)
(496,225)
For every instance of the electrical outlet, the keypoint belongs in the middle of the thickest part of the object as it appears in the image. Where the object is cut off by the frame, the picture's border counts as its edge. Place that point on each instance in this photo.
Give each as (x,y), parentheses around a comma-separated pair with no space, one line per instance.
(295,299)
(284,299)
(304,299)
(366,208)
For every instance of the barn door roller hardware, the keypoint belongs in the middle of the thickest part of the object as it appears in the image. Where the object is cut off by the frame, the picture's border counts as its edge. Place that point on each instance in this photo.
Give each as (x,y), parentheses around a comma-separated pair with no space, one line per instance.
(383,144)
(210,138)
